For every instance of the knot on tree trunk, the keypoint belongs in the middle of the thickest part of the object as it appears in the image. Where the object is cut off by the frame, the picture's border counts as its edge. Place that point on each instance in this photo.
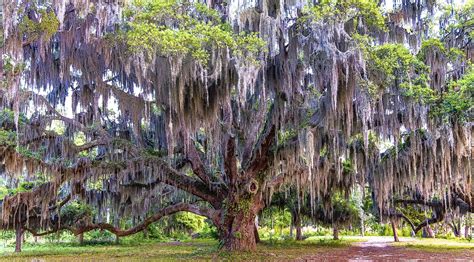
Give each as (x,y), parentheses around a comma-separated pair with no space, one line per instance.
(252,186)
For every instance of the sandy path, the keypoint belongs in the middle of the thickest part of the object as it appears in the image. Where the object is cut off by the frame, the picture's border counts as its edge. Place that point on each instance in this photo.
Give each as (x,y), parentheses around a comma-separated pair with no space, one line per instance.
(380,249)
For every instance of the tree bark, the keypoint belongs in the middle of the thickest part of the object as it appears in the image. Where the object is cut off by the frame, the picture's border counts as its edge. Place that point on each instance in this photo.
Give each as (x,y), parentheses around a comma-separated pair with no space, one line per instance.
(18,239)
(241,234)
(81,239)
(257,236)
(238,227)
(335,232)
(394,229)
(117,224)
(299,235)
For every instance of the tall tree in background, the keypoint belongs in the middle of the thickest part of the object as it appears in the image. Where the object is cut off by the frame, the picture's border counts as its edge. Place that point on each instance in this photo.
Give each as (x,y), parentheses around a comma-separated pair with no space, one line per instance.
(210,107)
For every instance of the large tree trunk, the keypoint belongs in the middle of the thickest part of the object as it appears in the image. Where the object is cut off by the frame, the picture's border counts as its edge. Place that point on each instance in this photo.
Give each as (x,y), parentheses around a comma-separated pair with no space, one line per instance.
(241,234)
(395,232)
(18,239)
(238,230)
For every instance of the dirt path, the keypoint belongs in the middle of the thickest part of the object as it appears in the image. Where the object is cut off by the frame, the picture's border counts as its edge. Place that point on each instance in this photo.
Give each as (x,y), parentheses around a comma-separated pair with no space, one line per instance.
(381,249)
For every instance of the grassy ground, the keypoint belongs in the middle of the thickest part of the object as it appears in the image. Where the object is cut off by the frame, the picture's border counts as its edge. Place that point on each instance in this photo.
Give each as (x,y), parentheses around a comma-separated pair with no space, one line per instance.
(171,251)
(202,250)
(435,244)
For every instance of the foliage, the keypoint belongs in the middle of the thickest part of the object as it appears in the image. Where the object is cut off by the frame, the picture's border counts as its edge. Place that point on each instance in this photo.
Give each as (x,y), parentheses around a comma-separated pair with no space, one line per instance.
(3,192)
(75,210)
(11,66)
(344,211)
(347,166)
(457,103)
(209,231)
(458,18)
(335,11)
(190,221)
(7,138)
(429,45)
(182,27)
(436,46)
(24,186)
(46,27)
(285,136)
(98,236)
(274,217)
(392,65)
(7,118)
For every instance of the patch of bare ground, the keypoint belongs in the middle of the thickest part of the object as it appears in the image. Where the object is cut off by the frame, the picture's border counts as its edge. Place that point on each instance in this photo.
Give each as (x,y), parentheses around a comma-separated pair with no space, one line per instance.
(380,249)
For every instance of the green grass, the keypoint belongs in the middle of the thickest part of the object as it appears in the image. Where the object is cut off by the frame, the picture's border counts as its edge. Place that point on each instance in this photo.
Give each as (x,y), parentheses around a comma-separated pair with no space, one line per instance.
(171,251)
(205,250)
(344,240)
(104,251)
(436,244)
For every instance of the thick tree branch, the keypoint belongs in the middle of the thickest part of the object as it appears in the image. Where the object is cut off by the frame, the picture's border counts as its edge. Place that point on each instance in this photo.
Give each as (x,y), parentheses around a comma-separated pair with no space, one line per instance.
(35,233)
(230,160)
(170,176)
(51,135)
(401,215)
(56,115)
(261,154)
(434,219)
(261,150)
(419,202)
(197,165)
(438,212)
(203,211)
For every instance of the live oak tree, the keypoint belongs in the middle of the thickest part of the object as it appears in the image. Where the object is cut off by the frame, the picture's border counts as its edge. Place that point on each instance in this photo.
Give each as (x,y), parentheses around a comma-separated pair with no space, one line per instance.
(210,107)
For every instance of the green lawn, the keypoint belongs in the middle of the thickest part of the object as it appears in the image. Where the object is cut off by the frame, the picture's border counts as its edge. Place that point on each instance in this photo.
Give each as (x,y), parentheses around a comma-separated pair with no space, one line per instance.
(195,249)
(204,250)
(436,244)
